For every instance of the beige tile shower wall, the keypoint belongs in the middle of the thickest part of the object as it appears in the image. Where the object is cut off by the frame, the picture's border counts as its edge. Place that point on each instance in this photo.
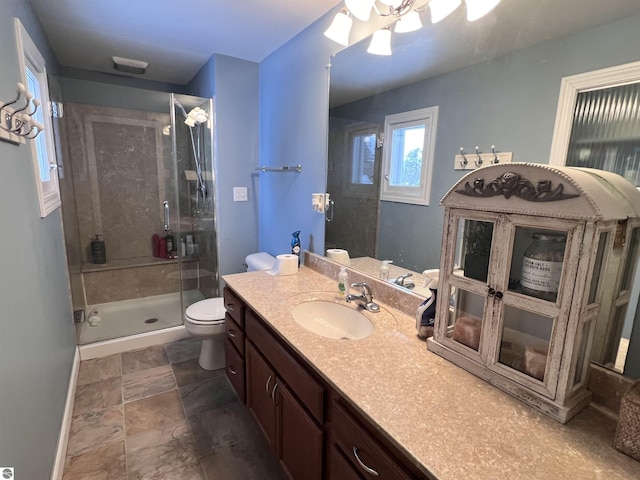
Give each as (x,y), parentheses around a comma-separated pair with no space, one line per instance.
(136,282)
(121,165)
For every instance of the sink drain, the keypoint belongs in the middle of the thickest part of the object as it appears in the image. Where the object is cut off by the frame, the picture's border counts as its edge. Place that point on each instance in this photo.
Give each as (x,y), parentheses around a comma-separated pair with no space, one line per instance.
(151,320)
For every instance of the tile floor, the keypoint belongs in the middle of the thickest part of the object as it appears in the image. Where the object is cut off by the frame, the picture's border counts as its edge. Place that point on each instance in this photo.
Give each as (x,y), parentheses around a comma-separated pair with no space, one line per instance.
(155,414)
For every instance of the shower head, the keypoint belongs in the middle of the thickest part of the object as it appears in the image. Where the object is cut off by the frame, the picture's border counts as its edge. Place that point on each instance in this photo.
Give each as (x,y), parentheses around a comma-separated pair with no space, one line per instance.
(179,105)
(196,117)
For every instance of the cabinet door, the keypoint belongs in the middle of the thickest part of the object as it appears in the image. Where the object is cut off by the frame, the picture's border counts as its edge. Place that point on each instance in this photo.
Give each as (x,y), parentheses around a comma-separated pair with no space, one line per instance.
(531,300)
(261,383)
(340,468)
(235,369)
(467,274)
(300,440)
(365,454)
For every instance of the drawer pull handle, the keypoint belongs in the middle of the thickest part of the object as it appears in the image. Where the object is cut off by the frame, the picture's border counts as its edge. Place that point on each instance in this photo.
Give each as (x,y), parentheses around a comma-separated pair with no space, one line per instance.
(232,333)
(369,470)
(273,392)
(266,387)
(230,307)
(232,371)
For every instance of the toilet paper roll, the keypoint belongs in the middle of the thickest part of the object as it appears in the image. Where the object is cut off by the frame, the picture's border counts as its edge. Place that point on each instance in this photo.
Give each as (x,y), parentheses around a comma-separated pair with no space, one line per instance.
(286,264)
(339,255)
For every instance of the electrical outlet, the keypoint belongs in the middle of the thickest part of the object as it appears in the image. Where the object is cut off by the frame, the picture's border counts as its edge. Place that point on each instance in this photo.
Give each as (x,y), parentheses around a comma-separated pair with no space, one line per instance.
(240,194)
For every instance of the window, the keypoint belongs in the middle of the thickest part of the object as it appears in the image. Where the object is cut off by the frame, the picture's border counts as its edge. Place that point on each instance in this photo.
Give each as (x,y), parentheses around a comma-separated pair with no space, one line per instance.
(598,120)
(34,77)
(408,156)
(363,169)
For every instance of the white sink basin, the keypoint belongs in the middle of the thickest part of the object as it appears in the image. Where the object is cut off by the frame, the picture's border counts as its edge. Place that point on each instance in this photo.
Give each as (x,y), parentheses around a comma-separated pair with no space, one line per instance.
(332,320)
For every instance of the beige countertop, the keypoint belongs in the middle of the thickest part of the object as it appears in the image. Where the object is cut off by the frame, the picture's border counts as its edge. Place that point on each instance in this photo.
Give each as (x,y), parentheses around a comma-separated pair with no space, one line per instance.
(449,422)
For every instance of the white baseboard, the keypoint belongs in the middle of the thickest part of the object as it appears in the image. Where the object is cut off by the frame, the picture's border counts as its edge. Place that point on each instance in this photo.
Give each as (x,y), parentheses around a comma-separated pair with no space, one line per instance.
(133,342)
(65,427)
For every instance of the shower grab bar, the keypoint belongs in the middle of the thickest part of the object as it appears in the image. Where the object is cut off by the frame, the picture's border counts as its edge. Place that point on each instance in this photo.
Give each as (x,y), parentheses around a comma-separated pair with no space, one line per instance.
(166,215)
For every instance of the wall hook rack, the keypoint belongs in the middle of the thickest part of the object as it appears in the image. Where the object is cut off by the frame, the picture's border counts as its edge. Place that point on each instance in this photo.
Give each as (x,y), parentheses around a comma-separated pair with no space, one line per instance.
(16,121)
(286,168)
(463,162)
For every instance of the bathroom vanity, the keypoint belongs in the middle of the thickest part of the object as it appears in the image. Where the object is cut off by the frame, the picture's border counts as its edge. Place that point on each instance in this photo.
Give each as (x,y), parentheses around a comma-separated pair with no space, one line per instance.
(385,405)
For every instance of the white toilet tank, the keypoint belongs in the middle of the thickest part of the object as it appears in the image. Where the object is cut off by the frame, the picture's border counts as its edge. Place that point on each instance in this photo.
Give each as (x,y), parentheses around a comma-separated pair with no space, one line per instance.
(259,261)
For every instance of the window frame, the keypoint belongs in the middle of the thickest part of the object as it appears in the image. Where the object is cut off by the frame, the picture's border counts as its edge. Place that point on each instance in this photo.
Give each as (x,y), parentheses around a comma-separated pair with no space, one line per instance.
(29,56)
(570,88)
(362,190)
(412,195)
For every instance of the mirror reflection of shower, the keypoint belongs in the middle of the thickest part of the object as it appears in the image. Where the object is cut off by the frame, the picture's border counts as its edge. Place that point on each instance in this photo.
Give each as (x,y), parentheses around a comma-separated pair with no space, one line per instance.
(196,120)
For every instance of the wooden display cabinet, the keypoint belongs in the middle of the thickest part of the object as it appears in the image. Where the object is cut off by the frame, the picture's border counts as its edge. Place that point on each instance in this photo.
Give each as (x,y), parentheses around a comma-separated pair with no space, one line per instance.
(523,318)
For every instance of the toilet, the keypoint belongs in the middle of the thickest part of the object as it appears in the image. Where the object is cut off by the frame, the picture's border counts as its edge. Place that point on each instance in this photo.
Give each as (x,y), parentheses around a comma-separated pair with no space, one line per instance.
(259,261)
(205,319)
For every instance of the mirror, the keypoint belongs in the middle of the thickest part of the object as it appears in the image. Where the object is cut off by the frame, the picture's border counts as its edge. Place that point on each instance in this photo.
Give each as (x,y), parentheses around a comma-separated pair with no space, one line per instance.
(495,81)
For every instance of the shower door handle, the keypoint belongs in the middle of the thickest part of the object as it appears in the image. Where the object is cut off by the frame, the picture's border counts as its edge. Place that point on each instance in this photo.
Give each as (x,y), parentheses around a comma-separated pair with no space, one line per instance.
(166,215)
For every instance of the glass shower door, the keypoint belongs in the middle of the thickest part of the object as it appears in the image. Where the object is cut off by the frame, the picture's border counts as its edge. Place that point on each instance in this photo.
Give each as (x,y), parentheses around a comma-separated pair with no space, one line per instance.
(193,132)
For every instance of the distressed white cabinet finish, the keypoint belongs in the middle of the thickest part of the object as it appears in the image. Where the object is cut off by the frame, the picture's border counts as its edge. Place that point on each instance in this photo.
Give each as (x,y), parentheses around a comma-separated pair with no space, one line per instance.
(524,319)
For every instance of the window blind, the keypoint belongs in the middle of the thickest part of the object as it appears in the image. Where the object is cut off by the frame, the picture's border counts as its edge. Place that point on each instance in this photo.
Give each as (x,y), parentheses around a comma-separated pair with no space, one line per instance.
(606,131)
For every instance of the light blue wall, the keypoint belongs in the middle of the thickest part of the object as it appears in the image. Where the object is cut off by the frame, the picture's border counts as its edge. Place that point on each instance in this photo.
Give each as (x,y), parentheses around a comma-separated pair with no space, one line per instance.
(234,85)
(509,102)
(37,338)
(294,101)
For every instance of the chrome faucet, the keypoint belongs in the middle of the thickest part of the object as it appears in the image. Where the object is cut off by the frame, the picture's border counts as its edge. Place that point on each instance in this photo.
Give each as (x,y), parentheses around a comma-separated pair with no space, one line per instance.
(402,281)
(365,299)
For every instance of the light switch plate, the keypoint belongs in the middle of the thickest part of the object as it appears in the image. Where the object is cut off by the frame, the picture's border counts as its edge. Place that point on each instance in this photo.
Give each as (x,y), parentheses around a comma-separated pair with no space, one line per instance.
(240,194)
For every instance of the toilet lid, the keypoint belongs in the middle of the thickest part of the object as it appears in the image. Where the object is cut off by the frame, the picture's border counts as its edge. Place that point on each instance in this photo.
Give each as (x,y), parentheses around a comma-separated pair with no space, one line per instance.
(208,310)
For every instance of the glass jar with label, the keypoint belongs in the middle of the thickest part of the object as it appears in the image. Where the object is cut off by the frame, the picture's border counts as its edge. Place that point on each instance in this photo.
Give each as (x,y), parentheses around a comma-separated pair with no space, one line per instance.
(542,266)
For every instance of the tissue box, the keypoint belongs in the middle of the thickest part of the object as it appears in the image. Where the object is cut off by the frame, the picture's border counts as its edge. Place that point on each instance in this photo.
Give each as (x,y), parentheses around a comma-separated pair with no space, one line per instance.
(627,438)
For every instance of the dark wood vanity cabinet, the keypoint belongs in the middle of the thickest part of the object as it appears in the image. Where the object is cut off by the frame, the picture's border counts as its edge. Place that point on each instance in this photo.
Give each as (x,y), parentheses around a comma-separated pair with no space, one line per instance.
(309,428)
(356,453)
(286,401)
(234,343)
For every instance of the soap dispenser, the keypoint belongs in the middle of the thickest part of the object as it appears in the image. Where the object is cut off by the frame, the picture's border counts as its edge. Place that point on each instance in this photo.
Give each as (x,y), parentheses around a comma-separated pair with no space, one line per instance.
(343,282)
(384,270)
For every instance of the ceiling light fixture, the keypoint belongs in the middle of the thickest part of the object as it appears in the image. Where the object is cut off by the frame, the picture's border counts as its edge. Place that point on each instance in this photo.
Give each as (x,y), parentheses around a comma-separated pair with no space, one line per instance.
(442,8)
(129,65)
(340,27)
(407,19)
(380,42)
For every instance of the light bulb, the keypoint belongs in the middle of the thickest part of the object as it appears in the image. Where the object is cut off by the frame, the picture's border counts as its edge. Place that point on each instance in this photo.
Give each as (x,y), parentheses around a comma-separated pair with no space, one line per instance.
(409,22)
(441,9)
(479,8)
(380,42)
(340,28)
(361,9)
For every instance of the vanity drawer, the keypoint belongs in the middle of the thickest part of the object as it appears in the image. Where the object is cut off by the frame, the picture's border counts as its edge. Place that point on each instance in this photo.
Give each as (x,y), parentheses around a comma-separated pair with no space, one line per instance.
(235,306)
(361,450)
(309,391)
(234,366)
(234,334)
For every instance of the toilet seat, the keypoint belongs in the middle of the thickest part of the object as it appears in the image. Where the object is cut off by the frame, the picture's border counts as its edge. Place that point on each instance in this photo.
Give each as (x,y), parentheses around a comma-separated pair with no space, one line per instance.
(210,311)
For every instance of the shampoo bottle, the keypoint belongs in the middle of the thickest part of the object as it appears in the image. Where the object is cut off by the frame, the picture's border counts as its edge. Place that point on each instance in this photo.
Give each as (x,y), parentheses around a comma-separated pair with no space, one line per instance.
(343,282)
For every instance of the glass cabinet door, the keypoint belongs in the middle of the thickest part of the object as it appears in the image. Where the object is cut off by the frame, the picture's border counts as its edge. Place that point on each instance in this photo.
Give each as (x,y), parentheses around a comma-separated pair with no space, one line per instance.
(527,307)
(473,248)
(468,272)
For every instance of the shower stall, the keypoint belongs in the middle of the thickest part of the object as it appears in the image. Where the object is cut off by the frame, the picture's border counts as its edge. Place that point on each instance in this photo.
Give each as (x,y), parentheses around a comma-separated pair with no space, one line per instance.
(142,181)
